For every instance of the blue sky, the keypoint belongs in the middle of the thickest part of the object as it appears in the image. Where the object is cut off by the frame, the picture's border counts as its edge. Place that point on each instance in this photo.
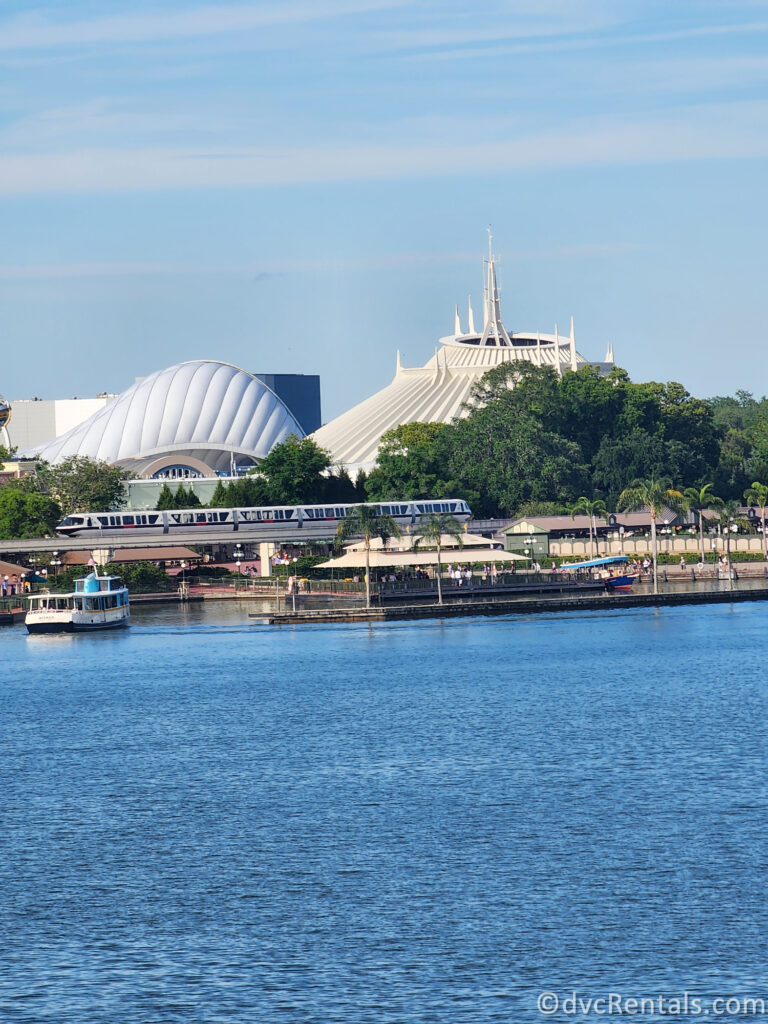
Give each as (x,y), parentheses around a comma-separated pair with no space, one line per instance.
(306,186)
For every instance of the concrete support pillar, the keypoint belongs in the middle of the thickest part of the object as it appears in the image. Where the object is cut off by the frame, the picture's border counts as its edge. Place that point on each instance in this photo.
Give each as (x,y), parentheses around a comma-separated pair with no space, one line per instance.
(266,550)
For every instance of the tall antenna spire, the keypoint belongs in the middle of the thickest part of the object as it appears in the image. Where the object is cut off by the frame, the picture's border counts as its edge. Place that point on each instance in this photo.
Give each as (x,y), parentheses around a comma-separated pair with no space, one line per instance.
(494,332)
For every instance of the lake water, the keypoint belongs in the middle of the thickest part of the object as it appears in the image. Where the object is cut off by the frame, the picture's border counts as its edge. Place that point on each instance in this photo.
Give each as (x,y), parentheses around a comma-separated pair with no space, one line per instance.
(209,820)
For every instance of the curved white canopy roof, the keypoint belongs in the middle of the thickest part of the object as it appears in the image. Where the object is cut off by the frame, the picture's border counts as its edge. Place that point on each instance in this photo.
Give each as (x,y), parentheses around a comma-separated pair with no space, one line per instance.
(204,409)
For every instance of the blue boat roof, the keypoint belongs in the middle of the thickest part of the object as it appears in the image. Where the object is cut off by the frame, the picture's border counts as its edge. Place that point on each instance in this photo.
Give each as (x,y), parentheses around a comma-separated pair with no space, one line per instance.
(595,562)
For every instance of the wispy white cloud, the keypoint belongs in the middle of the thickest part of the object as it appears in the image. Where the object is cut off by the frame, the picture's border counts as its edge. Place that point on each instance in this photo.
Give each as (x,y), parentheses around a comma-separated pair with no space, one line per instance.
(282,267)
(735,131)
(36,31)
(580,37)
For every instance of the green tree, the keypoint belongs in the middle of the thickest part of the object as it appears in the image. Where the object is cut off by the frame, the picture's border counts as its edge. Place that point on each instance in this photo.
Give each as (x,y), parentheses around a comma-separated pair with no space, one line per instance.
(411,463)
(364,521)
(757,494)
(431,531)
(220,496)
(697,499)
(80,484)
(165,499)
(185,498)
(293,472)
(655,495)
(592,509)
(27,513)
(500,460)
(6,454)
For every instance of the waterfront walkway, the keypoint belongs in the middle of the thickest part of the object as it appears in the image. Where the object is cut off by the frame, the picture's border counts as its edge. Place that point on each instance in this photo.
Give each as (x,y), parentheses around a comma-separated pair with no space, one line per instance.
(470,604)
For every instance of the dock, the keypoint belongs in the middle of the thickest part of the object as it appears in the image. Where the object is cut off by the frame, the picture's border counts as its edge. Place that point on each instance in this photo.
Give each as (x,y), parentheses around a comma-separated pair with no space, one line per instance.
(472,606)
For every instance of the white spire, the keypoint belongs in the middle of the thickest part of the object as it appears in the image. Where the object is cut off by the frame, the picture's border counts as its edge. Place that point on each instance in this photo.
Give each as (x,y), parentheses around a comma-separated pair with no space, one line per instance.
(573,348)
(609,353)
(457,324)
(398,364)
(471,318)
(493,327)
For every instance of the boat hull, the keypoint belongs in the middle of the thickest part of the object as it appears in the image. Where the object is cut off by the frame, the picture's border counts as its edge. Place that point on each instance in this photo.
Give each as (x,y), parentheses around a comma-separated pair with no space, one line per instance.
(39,623)
(620,583)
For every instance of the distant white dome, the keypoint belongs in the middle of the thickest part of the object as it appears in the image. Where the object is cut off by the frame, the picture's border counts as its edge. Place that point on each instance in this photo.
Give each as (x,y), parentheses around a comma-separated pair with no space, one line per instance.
(204,410)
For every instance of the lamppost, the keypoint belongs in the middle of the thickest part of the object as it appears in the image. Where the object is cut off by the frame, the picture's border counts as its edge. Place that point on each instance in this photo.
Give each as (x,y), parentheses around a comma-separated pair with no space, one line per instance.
(295,585)
(529,549)
(733,527)
(621,538)
(55,562)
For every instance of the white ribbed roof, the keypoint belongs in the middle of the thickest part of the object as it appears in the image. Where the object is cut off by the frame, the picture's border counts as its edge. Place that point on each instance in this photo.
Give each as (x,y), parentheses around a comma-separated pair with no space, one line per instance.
(433,393)
(197,407)
(438,391)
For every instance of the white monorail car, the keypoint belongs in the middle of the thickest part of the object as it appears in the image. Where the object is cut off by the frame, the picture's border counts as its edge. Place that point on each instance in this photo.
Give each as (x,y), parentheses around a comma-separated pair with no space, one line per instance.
(284,518)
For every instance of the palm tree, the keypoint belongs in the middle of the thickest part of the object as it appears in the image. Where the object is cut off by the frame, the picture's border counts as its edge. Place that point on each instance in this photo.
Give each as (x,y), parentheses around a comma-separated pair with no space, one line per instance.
(593,509)
(431,529)
(757,494)
(697,499)
(366,522)
(655,495)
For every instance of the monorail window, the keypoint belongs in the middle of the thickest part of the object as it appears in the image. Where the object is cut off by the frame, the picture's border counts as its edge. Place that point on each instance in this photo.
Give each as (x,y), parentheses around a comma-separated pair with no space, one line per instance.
(103,520)
(153,519)
(127,520)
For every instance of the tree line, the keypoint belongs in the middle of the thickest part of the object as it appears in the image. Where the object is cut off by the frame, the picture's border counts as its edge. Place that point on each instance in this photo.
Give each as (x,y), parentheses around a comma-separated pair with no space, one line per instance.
(527,442)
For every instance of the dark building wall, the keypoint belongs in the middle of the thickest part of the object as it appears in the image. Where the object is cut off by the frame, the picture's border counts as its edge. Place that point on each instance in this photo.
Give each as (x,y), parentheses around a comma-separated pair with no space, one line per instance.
(300,392)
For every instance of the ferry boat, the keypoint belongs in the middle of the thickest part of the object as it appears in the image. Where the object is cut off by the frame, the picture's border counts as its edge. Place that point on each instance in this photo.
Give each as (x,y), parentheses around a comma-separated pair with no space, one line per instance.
(611,571)
(98,602)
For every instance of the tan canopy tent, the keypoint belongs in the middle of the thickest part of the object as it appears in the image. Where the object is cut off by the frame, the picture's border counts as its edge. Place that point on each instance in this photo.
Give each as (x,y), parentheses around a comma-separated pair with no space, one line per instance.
(422,556)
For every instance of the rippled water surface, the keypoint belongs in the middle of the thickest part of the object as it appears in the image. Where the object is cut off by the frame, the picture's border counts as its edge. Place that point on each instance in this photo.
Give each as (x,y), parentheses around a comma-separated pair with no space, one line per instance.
(207,819)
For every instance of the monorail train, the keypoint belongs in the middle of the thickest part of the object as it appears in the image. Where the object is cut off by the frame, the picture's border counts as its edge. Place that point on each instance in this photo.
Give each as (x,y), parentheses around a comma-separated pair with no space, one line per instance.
(283,518)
